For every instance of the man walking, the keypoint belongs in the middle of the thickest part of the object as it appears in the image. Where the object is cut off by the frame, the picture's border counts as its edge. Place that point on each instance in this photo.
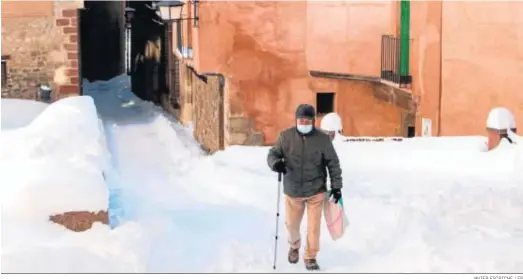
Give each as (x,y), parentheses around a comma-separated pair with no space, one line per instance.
(303,155)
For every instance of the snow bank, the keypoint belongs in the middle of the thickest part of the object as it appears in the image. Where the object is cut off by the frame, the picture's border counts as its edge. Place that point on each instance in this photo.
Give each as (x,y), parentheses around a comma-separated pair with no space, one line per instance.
(50,248)
(54,165)
(447,156)
(16,113)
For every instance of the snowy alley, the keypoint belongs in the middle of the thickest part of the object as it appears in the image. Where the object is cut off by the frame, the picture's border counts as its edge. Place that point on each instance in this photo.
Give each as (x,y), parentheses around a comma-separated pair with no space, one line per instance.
(419,205)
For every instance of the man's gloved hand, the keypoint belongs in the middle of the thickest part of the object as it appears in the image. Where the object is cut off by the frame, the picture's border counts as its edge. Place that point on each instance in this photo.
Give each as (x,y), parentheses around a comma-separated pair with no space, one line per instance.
(336,195)
(280,167)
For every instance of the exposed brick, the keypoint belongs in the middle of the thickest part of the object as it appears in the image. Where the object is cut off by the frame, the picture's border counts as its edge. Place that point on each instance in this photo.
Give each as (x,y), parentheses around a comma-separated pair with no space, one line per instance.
(73,22)
(72,72)
(62,22)
(70,30)
(72,55)
(74,80)
(80,221)
(69,13)
(71,47)
(73,39)
(73,63)
(34,59)
(68,89)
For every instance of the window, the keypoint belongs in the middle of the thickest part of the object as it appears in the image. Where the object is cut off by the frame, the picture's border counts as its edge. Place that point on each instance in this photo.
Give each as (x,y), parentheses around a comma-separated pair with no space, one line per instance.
(4,69)
(324,102)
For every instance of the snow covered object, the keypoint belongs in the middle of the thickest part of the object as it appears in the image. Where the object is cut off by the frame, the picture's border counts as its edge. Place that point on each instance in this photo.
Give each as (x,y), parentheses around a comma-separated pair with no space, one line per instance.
(332,125)
(501,118)
(332,122)
(61,156)
(500,122)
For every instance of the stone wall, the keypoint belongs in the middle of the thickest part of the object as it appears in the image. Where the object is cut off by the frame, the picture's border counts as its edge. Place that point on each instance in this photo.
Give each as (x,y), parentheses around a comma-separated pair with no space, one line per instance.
(203,104)
(242,131)
(41,42)
(207,110)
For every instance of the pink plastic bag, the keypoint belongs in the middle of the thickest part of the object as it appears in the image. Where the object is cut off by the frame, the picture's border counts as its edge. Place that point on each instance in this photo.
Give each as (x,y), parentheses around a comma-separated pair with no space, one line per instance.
(335,218)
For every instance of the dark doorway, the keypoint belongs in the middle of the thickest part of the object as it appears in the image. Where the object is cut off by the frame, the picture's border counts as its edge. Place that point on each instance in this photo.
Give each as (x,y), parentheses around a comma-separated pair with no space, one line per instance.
(148,65)
(101,43)
(411,132)
(324,102)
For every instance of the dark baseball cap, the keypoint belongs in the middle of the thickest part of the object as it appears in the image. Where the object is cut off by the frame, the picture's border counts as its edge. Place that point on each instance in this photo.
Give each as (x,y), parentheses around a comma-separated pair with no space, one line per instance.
(305,111)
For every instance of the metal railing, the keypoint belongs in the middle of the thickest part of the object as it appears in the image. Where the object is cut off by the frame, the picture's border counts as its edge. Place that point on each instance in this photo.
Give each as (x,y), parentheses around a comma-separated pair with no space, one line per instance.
(391,57)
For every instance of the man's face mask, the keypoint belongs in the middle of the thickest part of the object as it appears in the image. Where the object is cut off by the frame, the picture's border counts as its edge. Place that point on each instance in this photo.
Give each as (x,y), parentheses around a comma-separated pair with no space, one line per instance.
(304,125)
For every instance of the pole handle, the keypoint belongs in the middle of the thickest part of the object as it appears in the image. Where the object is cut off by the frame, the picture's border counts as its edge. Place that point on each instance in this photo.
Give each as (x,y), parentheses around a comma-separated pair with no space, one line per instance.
(279,177)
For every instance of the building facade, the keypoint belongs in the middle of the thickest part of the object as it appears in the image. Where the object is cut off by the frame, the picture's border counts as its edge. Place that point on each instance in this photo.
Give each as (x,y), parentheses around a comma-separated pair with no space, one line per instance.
(276,55)
(40,47)
(397,68)
(467,57)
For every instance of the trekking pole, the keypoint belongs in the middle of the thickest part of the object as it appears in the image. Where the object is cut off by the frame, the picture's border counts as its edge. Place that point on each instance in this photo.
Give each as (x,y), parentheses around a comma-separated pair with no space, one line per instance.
(277,220)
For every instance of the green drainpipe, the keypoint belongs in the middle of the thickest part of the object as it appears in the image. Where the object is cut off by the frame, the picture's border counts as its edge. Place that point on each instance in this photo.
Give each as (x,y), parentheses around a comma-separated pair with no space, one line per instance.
(404,38)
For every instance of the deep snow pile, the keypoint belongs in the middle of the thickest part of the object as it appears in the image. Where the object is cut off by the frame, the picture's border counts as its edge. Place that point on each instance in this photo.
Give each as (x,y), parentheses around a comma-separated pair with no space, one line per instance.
(53,165)
(51,159)
(15,113)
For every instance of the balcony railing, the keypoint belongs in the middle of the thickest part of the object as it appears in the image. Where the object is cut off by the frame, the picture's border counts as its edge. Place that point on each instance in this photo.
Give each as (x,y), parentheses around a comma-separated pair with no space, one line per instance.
(395,61)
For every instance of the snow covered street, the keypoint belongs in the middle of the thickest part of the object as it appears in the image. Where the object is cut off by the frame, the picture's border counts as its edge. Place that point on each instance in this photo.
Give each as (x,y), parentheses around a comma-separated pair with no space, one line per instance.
(420,205)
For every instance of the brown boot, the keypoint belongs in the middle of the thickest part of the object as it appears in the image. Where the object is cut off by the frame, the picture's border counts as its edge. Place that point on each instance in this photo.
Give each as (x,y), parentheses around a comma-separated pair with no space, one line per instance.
(311,264)
(294,255)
